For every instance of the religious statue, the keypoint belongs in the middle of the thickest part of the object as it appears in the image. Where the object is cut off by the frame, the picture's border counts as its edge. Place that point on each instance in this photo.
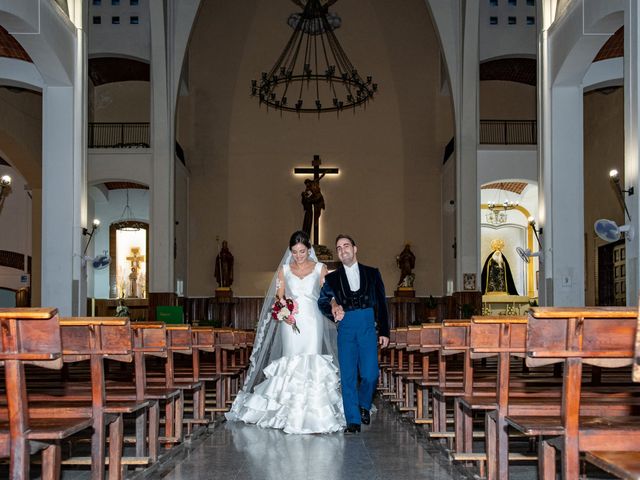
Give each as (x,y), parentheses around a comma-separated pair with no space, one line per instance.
(224,266)
(122,310)
(135,260)
(406,262)
(307,205)
(496,273)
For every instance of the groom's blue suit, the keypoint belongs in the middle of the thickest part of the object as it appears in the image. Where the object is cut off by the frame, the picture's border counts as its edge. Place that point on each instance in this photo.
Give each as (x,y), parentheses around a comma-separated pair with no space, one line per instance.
(357,337)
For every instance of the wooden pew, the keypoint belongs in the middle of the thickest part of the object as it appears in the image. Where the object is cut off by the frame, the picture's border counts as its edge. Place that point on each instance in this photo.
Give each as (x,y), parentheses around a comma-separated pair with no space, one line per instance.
(625,465)
(429,343)
(31,336)
(575,336)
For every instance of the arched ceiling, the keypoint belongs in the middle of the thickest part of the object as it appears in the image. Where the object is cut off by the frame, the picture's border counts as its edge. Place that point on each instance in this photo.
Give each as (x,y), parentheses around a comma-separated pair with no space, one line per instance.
(521,70)
(613,48)
(115,69)
(11,48)
(515,187)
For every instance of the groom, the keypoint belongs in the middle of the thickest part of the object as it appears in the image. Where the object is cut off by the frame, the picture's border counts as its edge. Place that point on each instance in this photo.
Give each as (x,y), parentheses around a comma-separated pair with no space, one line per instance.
(354,296)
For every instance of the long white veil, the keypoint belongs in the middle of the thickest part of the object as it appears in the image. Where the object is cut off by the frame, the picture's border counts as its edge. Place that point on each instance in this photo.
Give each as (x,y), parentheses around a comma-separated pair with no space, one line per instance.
(267,345)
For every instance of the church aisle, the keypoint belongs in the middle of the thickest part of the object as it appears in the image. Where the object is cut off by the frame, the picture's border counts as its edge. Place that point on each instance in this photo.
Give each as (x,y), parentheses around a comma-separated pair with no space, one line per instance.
(385,449)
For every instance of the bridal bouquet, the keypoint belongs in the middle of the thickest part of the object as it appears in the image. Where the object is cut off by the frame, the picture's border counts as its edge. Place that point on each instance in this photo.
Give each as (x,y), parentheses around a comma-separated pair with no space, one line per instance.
(284,309)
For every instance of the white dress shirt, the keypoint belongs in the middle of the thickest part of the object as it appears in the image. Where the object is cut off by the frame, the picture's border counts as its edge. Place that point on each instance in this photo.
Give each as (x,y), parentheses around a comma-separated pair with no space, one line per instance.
(353,276)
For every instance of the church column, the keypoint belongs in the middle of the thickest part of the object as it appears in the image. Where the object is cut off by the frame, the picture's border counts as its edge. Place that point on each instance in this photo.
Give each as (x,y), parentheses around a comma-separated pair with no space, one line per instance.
(467,191)
(161,236)
(632,142)
(64,189)
(564,198)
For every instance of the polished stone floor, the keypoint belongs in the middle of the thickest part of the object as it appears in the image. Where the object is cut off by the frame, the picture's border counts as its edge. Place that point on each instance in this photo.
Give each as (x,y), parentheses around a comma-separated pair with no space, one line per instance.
(388,448)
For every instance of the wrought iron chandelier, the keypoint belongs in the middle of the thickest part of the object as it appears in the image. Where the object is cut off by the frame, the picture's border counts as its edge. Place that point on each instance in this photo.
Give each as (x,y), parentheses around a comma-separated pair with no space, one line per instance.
(498,212)
(313,73)
(127,221)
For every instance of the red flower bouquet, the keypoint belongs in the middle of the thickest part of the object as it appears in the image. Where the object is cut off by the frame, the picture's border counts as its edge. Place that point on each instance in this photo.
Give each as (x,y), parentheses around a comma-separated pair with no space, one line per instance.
(284,309)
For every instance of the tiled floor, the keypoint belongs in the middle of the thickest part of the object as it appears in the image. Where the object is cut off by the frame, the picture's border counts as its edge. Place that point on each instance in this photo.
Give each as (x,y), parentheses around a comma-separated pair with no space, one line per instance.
(388,448)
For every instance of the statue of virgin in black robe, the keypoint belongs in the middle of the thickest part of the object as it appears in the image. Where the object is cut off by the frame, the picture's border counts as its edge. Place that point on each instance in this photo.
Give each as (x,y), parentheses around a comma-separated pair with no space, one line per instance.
(496,275)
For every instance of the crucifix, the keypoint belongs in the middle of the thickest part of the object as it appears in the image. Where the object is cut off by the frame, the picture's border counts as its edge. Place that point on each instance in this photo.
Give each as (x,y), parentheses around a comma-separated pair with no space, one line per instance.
(135,260)
(312,199)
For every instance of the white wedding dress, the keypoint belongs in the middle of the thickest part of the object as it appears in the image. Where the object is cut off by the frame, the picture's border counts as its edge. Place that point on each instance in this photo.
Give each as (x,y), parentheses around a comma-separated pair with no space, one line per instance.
(301,391)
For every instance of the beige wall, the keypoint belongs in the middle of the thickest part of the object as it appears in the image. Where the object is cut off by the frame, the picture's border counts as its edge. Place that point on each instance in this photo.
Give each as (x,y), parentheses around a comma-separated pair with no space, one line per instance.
(120,102)
(603,151)
(500,100)
(241,156)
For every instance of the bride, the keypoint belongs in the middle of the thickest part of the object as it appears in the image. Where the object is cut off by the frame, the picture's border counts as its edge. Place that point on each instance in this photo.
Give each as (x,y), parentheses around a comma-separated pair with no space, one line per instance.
(292,383)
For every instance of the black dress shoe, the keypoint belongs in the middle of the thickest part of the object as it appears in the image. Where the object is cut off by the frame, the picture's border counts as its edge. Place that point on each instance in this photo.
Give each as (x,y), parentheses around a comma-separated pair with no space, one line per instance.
(352,428)
(365,416)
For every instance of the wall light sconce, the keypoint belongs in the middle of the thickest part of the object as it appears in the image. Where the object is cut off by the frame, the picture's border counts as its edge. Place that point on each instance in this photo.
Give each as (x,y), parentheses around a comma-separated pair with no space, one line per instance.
(86,231)
(615,178)
(5,187)
(536,231)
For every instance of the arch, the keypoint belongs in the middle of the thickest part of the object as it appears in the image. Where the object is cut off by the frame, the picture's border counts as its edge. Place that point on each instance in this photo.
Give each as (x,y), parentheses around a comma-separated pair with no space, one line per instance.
(510,69)
(115,68)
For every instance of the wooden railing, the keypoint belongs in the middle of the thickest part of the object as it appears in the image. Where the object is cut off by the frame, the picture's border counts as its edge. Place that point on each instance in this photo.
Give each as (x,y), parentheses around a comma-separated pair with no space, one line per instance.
(508,132)
(118,135)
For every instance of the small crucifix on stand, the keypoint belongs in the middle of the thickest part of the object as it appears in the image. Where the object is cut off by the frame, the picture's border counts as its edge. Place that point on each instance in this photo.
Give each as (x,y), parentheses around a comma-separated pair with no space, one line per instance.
(312,199)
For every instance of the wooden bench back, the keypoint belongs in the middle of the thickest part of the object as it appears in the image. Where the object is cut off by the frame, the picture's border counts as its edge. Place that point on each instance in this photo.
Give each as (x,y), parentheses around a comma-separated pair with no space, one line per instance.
(179,339)
(455,336)
(204,338)
(150,338)
(109,337)
(31,335)
(490,335)
(430,337)
(602,336)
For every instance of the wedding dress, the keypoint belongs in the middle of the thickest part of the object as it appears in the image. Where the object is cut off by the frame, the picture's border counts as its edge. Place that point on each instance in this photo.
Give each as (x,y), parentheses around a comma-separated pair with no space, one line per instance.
(301,389)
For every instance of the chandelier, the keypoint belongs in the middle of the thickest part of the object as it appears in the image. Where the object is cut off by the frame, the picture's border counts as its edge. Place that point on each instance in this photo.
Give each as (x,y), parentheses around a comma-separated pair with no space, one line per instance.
(498,212)
(127,221)
(313,73)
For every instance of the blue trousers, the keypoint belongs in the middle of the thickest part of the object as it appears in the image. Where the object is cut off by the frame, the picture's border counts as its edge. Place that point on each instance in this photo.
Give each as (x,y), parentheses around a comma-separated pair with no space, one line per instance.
(358,356)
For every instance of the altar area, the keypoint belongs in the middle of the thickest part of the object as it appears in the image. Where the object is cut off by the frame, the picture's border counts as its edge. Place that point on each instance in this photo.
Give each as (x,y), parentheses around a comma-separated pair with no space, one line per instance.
(505,304)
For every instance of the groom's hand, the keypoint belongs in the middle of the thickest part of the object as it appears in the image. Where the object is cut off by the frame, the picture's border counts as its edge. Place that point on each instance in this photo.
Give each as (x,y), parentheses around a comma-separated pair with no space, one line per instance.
(383,341)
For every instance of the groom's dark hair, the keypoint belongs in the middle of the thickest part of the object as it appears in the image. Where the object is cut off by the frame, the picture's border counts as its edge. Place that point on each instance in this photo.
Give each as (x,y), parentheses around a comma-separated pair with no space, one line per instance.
(348,237)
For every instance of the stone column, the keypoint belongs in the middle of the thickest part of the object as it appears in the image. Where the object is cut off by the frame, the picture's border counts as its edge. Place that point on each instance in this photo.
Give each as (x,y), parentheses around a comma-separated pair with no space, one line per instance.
(467,191)
(632,142)
(161,236)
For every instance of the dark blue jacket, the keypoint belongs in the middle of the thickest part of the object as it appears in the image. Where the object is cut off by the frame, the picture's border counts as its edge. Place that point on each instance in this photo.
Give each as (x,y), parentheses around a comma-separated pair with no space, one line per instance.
(370,295)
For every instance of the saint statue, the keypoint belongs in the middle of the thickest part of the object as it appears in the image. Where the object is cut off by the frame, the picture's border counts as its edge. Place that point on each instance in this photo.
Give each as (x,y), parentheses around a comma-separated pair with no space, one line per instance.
(406,262)
(496,273)
(224,266)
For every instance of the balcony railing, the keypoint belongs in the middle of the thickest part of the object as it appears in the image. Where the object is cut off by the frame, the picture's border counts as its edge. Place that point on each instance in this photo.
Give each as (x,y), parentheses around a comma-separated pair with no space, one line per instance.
(118,135)
(508,132)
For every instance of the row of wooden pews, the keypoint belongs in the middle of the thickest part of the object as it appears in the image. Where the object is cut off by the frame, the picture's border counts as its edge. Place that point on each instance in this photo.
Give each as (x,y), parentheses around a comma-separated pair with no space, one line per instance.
(70,380)
(557,378)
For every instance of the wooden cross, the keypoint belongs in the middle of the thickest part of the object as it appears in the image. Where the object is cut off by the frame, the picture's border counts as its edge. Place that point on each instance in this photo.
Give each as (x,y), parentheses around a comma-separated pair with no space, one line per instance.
(135,260)
(318,173)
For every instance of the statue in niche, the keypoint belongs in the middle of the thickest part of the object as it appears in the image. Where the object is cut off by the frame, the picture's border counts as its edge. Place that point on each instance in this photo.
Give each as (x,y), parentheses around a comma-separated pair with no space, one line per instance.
(135,260)
(406,262)
(224,266)
(497,278)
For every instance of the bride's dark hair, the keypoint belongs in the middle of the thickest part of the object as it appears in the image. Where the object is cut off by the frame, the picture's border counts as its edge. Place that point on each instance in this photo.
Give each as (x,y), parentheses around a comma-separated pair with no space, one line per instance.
(299,237)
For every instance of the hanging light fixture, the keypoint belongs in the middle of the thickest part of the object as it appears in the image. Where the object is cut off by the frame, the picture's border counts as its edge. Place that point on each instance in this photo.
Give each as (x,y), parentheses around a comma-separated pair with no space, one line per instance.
(313,73)
(127,221)
(498,210)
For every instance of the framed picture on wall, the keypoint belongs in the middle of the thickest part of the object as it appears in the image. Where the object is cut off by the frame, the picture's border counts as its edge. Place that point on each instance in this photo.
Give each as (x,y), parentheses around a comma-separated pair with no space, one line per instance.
(469,281)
